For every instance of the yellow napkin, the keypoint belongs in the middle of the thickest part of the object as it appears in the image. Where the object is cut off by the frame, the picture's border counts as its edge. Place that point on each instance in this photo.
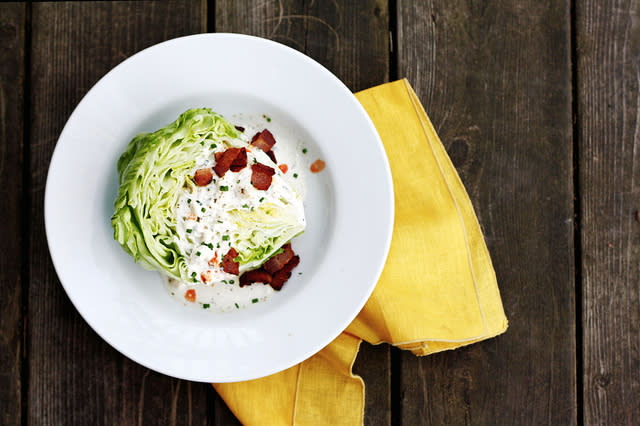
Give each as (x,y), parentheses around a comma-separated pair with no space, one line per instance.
(437,291)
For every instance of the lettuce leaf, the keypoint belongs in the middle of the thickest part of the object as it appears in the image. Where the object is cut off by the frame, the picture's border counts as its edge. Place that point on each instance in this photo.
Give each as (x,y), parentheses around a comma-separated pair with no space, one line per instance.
(262,232)
(152,170)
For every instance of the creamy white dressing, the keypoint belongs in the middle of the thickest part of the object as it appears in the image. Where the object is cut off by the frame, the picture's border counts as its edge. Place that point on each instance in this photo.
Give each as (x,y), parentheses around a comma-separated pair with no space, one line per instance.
(206,229)
(288,148)
(220,297)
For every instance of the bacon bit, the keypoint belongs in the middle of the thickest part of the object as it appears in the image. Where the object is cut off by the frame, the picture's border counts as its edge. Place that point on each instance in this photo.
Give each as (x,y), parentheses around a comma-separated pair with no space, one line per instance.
(261,176)
(271,155)
(214,260)
(203,177)
(283,275)
(228,263)
(276,271)
(225,160)
(263,140)
(277,262)
(255,276)
(240,162)
(206,276)
(239,128)
(283,168)
(218,155)
(190,295)
(317,166)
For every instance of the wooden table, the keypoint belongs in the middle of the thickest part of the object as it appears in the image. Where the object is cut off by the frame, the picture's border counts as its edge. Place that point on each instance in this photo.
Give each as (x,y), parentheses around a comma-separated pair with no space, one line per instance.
(537,104)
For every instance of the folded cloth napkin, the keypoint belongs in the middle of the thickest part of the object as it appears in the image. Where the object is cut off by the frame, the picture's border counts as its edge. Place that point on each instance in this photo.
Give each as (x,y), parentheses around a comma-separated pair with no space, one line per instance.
(437,291)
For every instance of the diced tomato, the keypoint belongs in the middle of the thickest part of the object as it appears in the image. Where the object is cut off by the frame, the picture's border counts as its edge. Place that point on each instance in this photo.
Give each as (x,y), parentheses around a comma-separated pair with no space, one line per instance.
(190,295)
(283,168)
(206,276)
(317,166)
(214,260)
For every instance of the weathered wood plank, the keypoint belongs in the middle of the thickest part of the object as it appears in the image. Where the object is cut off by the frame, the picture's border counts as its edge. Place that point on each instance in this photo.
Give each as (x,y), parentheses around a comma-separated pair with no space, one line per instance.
(351,39)
(608,107)
(12,44)
(495,78)
(75,377)
(373,364)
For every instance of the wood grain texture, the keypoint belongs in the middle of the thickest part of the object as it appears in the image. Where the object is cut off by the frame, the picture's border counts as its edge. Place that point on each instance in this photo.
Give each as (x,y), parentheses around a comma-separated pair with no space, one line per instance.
(495,78)
(12,44)
(75,377)
(351,39)
(608,126)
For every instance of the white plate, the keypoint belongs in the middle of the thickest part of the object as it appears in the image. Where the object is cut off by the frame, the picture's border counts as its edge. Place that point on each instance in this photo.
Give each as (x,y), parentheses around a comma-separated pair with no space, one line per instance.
(349,208)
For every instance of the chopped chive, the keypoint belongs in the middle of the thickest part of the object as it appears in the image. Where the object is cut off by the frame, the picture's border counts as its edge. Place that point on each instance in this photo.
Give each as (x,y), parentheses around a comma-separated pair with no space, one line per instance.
(219,221)
(225,238)
(304,150)
(213,145)
(254,161)
(198,253)
(295,175)
(231,281)
(245,206)
(251,208)
(218,245)
(205,306)
(254,300)
(238,307)
(189,231)
(261,199)
(188,200)
(208,245)
(238,181)
(224,281)
(193,274)
(224,188)
(268,119)
(202,143)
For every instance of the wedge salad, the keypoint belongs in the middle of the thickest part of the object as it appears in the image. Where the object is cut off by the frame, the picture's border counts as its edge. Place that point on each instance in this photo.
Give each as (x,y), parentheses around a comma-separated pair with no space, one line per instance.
(207,205)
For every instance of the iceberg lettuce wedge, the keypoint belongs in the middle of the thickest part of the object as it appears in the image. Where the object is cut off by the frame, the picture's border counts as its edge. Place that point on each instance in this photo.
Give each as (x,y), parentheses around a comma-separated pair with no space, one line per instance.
(155,170)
